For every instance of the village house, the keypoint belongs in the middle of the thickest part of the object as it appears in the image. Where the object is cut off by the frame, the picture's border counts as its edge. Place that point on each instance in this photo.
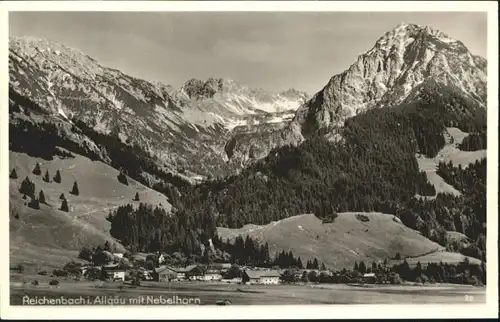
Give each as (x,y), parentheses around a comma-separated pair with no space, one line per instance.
(84,269)
(369,278)
(181,273)
(164,274)
(212,275)
(194,272)
(222,267)
(261,277)
(147,275)
(114,272)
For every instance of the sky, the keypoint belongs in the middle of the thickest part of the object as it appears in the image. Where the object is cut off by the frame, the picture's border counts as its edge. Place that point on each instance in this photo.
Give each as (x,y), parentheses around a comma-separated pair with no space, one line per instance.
(271,50)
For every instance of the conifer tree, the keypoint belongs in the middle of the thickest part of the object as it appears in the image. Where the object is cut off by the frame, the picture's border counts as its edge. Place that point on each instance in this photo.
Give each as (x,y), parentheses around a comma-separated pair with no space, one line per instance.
(122,178)
(299,263)
(37,171)
(356,267)
(57,177)
(41,197)
(13,174)
(34,203)
(323,268)
(64,205)
(362,267)
(315,264)
(136,198)
(27,187)
(46,177)
(75,190)
(62,197)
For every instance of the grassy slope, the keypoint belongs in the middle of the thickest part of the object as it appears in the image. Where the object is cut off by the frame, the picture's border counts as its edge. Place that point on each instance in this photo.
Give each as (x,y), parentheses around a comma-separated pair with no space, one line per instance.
(341,243)
(49,236)
(450,152)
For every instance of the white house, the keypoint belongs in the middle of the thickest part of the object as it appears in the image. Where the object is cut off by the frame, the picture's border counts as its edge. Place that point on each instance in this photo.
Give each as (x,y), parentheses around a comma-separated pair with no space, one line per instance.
(369,277)
(115,272)
(212,275)
(261,277)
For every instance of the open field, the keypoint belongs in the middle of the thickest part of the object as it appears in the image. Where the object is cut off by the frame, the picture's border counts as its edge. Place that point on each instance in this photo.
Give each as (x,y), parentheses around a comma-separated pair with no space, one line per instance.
(50,237)
(341,243)
(450,152)
(210,293)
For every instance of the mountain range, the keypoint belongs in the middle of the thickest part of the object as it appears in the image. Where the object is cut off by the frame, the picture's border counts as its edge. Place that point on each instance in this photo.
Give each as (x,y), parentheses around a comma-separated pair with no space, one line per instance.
(185,128)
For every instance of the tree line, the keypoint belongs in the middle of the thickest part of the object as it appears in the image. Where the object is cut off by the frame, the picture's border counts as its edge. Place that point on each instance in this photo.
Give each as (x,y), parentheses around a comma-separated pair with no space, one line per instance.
(474,142)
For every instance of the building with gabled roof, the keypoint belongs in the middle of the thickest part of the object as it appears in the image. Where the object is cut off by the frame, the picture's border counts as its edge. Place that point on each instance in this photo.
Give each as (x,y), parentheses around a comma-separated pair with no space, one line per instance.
(261,277)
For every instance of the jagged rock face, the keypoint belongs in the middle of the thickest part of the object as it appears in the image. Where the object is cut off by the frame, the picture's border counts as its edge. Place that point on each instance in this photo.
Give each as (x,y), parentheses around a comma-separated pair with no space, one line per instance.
(196,89)
(400,60)
(386,75)
(186,128)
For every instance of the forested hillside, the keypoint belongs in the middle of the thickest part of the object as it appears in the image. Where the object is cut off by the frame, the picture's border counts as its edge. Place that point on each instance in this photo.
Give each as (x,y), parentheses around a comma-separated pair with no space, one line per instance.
(371,168)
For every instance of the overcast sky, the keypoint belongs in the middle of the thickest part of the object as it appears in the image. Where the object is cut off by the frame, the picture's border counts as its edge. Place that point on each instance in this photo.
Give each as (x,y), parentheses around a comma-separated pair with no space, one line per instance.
(271,50)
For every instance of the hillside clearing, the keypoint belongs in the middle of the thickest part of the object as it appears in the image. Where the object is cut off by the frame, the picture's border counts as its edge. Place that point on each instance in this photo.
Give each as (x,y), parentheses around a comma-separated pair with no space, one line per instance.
(450,152)
(341,243)
(39,233)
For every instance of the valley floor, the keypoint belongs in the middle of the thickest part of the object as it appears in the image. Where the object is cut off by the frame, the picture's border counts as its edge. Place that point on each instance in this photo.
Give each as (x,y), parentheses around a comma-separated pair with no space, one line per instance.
(210,293)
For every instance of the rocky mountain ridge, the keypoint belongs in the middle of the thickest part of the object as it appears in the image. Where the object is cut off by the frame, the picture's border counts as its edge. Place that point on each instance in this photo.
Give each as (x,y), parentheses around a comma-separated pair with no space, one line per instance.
(186,128)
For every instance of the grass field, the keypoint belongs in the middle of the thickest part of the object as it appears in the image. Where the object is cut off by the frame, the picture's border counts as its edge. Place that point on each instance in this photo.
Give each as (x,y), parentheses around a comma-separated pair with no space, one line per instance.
(210,293)
(341,243)
(50,237)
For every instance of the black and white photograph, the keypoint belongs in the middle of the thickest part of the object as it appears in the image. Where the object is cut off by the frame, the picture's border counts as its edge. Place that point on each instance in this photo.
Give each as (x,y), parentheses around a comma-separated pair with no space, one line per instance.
(253,158)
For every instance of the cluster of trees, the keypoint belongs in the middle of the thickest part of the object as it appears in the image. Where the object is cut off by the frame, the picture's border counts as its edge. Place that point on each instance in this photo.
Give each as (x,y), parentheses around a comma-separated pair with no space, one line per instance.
(150,229)
(462,273)
(28,188)
(100,254)
(245,251)
(286,260)
(474,142)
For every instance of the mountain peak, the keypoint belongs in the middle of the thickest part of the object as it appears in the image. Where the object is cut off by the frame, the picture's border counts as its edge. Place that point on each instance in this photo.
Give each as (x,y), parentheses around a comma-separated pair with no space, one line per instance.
(405,33)
(400,60)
